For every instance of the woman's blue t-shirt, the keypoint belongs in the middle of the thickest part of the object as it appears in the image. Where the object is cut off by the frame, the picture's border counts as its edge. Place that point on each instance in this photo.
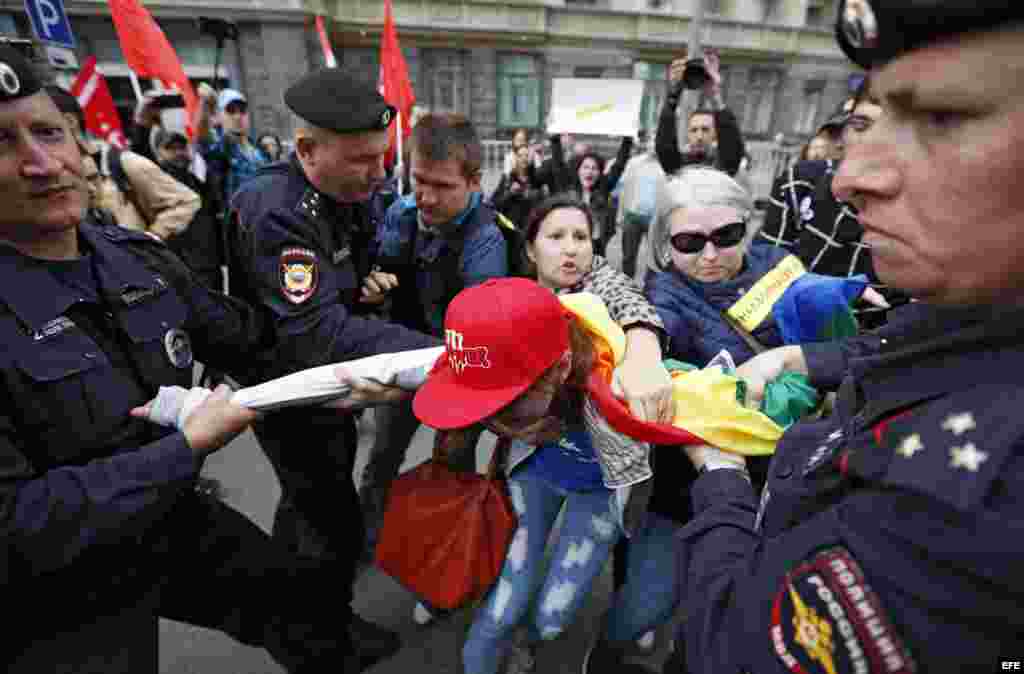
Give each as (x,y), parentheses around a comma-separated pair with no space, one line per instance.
(570,463)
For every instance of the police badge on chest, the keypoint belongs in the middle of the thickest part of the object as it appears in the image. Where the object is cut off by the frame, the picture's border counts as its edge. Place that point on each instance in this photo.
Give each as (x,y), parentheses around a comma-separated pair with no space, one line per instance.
(299,274)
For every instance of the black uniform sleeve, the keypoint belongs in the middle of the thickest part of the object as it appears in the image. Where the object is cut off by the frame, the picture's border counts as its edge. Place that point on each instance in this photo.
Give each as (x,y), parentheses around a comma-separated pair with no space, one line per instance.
(47,519)
(666,139)
(318,329)
(731,149)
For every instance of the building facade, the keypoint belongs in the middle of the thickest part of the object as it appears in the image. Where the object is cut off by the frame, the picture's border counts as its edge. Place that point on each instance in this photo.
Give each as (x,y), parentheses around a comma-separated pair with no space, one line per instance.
(494,60)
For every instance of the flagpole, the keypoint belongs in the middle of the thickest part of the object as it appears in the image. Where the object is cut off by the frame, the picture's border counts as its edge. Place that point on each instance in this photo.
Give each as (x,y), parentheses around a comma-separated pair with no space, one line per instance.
(399,165)
(136,87)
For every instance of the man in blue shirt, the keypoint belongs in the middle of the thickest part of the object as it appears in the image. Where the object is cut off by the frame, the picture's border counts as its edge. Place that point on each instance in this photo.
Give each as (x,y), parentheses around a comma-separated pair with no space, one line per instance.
(231,156)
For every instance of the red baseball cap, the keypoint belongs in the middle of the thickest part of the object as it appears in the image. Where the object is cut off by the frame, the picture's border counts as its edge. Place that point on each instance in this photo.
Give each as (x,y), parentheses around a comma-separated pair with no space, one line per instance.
(500,337)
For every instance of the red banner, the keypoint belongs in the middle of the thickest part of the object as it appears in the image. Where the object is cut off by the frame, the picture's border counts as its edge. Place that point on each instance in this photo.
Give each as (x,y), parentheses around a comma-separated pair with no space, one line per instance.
(101,118)
(148,53)
(395,85)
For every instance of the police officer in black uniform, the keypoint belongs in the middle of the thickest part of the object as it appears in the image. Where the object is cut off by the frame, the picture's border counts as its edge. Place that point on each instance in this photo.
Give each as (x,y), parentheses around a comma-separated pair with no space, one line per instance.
(889,536)
(102,527)
(299,246)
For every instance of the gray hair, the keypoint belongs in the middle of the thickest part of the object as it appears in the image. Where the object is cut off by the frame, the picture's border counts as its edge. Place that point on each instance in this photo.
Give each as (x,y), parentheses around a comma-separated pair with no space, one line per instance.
(694,186)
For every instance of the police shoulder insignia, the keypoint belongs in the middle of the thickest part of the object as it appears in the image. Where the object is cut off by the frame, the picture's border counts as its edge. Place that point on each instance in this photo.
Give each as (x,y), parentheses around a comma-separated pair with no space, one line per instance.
(299,273)
(827,619)
(178,347)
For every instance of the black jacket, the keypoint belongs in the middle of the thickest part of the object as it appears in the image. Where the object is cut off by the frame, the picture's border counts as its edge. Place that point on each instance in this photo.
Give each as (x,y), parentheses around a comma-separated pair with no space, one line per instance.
(731,149)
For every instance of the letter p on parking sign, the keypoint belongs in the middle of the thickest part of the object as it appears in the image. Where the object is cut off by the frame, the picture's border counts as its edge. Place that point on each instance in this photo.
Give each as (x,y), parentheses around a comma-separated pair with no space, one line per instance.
(50,22)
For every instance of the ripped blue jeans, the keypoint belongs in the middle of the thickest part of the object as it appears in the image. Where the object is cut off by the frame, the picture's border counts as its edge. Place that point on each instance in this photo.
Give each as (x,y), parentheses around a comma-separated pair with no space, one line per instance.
(585,542)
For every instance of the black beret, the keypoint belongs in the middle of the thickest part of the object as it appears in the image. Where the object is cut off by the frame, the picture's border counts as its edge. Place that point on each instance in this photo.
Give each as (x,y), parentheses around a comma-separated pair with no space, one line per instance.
(874,32)
(18,78)
(333,99)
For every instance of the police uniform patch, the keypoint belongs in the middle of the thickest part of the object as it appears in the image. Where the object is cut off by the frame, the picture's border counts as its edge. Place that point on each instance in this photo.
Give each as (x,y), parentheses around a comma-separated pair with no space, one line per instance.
(827,619)
(300,274)
(179,348)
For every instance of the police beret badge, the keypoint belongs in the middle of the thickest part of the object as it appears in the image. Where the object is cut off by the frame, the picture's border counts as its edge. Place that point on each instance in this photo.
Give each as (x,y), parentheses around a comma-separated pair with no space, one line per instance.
(827,620)
(299,274)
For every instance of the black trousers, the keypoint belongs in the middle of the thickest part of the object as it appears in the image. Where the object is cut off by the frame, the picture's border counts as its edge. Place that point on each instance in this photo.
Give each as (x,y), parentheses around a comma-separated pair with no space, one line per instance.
(313,453)
(204,564)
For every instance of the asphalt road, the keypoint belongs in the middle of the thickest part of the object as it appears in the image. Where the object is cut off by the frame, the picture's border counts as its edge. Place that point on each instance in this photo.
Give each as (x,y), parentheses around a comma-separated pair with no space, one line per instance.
(251,486)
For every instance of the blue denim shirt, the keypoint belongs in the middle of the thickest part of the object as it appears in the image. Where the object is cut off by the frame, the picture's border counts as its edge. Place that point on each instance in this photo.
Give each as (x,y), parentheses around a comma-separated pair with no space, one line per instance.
(240,162)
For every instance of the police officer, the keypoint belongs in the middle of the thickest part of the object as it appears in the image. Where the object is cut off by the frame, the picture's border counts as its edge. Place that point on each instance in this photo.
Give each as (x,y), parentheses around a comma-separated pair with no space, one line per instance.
(299,247)
(102,528)
(888,536)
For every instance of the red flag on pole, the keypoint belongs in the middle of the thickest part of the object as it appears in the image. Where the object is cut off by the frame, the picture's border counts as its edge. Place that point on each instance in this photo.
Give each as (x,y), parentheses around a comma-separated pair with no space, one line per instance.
(325,43)
(147,51)
(101,118)
(395,85)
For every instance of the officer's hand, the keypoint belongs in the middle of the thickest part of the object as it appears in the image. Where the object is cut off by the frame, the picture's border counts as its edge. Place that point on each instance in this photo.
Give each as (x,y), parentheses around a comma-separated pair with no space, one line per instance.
(766,367)
(365,392)
(376,287)
(217,422)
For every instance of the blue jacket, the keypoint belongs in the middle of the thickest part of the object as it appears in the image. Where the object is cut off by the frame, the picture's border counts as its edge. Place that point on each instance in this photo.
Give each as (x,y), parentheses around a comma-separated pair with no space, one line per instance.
(691,310)
(432,268)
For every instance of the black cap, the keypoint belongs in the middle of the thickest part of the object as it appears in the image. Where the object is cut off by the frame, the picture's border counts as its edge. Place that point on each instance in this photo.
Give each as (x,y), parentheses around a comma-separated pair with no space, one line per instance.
(874,32)
(18,78)
(333,99)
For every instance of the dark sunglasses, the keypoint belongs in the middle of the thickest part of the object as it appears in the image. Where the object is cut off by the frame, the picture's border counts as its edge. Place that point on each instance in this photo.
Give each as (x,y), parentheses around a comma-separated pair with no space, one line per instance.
(236,108)
(725,236)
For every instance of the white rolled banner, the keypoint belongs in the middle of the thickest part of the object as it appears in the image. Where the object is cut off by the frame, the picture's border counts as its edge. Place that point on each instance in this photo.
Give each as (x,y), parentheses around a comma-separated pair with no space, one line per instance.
(596,106)
(321,385)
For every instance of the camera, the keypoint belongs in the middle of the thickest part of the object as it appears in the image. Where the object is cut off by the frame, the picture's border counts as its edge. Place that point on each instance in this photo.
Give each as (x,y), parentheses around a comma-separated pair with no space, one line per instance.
(696,74)
(218,28)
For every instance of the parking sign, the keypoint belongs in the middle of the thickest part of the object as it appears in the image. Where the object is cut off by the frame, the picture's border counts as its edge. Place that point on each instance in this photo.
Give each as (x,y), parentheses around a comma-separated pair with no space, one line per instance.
(50,22)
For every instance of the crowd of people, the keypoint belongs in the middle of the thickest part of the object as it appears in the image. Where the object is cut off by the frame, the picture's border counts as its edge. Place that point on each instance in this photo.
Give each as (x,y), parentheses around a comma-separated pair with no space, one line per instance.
(880,534)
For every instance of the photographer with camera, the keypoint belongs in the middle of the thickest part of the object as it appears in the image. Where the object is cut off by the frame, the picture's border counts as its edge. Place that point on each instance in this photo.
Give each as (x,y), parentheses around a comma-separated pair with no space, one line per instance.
(713,135)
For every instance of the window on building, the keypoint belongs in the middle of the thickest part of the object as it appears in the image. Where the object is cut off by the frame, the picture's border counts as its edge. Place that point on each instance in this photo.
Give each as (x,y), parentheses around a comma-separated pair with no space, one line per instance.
(448,82)
(820,13)
(518,91)
(810,107)
(759,106)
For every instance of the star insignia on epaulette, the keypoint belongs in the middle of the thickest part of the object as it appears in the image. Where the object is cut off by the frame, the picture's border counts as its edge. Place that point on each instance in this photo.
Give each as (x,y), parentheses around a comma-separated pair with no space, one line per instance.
(911,445)
(958,424)
(968,457)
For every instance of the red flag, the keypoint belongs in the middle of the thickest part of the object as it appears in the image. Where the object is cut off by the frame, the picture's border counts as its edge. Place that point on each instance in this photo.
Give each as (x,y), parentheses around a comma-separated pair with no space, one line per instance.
(101,118)
(325,43)
(147,51)
(394,79)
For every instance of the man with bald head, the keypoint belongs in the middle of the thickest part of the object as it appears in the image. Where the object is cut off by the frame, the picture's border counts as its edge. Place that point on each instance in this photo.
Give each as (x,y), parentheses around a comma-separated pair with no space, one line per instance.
(888,536)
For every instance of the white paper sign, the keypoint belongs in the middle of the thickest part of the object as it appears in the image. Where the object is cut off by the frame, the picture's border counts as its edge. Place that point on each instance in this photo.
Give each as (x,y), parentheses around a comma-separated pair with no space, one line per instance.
(596,106)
